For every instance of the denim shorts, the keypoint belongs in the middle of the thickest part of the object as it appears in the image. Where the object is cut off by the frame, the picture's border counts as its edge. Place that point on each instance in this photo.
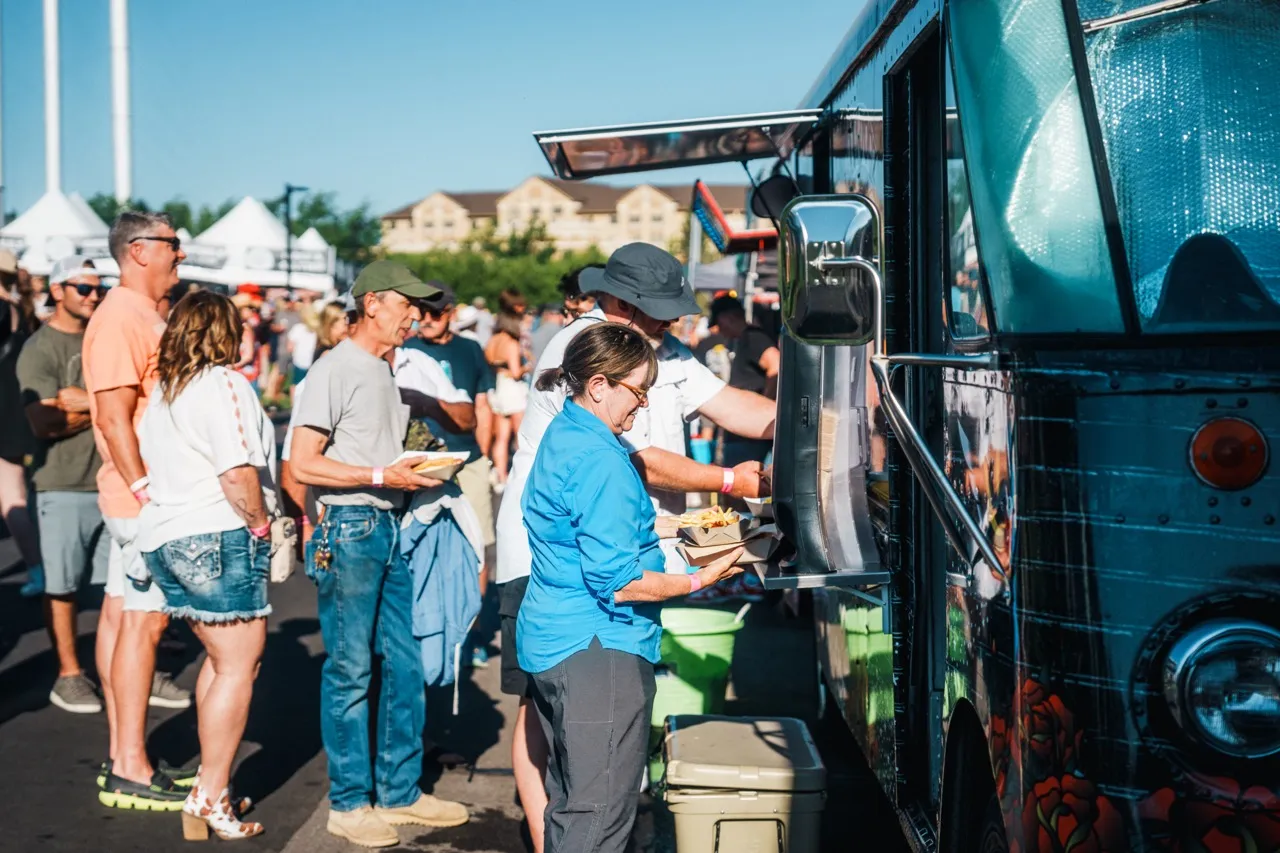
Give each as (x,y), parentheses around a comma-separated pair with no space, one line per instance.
(213,577)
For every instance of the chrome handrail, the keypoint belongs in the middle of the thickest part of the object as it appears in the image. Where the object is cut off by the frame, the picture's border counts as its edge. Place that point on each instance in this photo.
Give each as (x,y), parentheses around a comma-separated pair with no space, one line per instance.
(937,488)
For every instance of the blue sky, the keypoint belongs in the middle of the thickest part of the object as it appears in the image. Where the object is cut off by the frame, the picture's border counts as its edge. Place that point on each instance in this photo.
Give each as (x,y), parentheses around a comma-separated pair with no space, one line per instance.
(386,101)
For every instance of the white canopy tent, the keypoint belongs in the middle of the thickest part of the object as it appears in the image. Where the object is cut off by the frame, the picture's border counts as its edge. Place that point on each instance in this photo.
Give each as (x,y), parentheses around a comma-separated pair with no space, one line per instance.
(55,226)
(249,246)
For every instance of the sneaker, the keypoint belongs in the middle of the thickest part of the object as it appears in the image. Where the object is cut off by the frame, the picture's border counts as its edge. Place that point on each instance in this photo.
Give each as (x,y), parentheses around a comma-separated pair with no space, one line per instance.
(362,827)
(427,811)
(166,694)
(76,694)
(34,587)
(161,795)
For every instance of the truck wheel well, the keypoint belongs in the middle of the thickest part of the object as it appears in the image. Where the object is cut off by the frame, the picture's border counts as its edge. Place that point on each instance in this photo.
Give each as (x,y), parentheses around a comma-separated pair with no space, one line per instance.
(967,781)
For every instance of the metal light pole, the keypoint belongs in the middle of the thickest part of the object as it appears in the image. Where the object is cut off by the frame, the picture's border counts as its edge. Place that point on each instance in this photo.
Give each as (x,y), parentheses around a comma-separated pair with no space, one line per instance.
(289,190)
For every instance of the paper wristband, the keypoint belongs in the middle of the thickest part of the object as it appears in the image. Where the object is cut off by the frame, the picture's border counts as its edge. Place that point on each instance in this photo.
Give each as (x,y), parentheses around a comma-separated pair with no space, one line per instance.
(727,485)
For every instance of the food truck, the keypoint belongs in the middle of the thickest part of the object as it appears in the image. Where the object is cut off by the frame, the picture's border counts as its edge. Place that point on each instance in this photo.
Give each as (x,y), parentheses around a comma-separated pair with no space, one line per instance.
(1030,281)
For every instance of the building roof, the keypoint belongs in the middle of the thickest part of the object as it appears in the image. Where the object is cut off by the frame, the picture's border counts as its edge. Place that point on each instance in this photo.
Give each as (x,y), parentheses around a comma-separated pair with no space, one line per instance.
(594,198)
(479,203)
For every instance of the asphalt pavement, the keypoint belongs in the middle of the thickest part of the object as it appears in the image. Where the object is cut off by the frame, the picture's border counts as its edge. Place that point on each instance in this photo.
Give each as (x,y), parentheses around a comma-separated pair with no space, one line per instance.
(50,756)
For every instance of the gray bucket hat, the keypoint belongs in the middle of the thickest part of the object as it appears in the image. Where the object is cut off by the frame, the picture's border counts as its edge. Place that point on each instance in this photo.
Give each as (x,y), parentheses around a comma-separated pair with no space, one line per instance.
(646,277)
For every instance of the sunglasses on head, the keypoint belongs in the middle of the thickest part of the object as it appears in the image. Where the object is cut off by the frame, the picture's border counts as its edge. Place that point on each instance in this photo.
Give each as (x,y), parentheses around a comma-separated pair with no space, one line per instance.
(175,243)
(86,289)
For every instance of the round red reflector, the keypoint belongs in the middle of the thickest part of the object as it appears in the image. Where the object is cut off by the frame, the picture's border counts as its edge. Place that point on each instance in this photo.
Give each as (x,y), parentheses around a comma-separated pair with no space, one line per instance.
(1229,453)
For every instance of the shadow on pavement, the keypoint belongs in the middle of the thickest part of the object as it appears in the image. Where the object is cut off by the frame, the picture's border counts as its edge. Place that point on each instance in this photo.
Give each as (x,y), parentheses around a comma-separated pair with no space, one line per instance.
(283,717)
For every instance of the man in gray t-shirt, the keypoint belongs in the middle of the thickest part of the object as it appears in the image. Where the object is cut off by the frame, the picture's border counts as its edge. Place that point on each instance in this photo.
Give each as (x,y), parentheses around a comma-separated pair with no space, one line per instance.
(349,429)
(73,546)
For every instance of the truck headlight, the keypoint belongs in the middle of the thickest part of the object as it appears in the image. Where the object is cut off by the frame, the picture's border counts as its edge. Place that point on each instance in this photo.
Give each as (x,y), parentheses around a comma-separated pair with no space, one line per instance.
(1222,683)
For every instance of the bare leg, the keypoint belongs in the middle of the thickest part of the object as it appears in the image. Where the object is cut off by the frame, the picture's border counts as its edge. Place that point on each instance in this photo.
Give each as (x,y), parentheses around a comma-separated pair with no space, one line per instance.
(223,709)
(204,680)
(516,420)
(501,446)
(131,674)
(13,505)
(104,654)
(529,763)
(60,619)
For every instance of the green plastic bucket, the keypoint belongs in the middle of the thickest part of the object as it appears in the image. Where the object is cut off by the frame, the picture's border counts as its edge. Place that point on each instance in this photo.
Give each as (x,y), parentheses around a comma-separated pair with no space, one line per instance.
(697,649)
(697,644)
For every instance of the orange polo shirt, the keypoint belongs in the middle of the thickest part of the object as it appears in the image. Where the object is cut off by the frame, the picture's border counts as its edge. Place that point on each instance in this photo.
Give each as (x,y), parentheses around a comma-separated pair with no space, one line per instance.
(120,349)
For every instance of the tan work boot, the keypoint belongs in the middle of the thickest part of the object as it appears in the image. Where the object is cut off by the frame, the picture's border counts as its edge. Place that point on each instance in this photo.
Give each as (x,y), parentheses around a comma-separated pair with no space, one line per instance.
(427,811)
(362,827)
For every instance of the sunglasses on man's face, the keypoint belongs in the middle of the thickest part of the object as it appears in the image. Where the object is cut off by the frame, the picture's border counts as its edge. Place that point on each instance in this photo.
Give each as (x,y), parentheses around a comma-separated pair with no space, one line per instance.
(175,243)
(86,290)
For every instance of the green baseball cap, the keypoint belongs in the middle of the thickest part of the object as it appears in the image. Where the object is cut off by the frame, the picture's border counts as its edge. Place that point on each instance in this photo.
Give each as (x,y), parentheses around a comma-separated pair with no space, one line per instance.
(380,276)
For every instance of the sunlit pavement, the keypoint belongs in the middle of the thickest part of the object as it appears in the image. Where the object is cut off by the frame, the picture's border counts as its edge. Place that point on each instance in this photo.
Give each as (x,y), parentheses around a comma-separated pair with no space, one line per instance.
(50,756)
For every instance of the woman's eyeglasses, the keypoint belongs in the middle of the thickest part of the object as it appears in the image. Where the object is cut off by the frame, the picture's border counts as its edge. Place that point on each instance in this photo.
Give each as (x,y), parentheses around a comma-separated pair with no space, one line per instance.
(175,243)
(86,289)
(641,395)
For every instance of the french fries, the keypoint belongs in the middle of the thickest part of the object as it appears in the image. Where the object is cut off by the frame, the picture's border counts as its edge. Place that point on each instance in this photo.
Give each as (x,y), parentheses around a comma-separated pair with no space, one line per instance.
(716,516)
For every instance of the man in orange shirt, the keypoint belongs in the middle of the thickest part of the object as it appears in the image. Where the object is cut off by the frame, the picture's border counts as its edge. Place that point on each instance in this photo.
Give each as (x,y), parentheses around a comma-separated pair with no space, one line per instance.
(119,361)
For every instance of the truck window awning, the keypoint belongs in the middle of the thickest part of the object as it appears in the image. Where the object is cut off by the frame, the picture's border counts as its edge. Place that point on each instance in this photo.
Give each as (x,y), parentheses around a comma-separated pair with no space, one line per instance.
(592,152)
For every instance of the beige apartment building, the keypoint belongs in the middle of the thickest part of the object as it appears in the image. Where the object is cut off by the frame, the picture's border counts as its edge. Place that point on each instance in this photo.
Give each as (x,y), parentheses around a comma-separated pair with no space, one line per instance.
(576,215)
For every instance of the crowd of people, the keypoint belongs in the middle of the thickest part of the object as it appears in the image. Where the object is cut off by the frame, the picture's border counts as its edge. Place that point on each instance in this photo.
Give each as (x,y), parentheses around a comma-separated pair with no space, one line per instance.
(151,456)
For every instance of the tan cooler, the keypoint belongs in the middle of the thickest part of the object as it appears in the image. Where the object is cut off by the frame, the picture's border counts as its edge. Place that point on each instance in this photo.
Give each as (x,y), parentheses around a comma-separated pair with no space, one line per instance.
(743,784)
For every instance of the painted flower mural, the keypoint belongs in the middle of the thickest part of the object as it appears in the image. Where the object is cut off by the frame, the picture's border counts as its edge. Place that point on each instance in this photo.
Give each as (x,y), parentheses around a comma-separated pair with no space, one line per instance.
(1068,815)
(1215,816)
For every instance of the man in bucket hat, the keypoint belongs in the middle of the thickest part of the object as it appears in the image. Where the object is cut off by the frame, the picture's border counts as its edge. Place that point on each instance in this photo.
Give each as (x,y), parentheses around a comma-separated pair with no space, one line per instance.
(644,287)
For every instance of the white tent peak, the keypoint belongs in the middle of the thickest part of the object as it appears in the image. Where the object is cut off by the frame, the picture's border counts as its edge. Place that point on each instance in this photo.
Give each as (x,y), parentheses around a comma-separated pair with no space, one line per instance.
(56,215)
(311,241)
(249,223)
(183,234)
(89,214)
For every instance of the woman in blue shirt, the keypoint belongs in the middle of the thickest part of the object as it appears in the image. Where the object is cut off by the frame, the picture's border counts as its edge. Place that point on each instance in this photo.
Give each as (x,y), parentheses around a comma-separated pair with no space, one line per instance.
(588,629)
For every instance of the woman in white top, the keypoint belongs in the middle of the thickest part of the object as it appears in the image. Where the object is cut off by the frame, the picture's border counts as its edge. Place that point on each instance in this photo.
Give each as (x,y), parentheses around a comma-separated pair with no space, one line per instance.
(205,533)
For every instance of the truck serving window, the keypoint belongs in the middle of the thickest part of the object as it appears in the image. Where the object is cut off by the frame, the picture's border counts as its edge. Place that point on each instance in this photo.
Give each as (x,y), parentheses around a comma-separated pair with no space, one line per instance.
(1189,111)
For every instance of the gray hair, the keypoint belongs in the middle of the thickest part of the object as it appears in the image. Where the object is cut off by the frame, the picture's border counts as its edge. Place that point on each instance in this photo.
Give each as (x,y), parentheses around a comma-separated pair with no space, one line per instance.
(130,225)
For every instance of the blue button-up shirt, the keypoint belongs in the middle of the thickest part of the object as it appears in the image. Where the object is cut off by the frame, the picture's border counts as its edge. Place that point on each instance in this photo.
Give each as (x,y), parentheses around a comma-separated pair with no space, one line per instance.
(590,526)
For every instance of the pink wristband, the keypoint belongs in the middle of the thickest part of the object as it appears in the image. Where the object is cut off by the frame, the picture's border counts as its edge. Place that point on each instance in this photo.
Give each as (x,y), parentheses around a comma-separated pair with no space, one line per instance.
(377,476)
(261,532)
(142,496)
(695,583)
(727,485)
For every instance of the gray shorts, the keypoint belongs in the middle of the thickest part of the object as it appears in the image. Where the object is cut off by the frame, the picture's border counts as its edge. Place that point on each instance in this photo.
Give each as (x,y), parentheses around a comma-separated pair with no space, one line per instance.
(73,542)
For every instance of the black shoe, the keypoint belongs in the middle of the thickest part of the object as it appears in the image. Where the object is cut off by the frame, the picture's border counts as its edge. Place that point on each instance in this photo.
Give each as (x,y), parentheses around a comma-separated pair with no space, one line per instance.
(103,770)
(162,795)
(183,777)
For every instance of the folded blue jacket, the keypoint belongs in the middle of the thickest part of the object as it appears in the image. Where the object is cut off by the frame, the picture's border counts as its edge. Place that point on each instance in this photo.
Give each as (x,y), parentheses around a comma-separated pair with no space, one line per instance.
(446,592)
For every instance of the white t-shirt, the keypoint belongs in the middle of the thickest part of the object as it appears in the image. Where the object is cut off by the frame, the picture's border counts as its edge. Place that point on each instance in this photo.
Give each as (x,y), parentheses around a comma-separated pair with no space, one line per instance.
(214,425)
(303,341)
(416,371)
(683,386)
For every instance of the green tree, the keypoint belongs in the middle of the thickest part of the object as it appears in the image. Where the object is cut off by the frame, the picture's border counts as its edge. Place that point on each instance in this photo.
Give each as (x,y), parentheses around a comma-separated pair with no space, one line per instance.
(488,263)
(354,233)
(107,208)
(179,213)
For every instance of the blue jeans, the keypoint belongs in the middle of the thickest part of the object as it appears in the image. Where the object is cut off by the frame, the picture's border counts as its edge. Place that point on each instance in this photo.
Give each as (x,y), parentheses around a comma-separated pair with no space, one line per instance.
(366,597)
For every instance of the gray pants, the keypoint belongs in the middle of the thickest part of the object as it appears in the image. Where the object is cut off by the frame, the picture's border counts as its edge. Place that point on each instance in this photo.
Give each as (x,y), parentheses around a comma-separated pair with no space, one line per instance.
(594,707)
